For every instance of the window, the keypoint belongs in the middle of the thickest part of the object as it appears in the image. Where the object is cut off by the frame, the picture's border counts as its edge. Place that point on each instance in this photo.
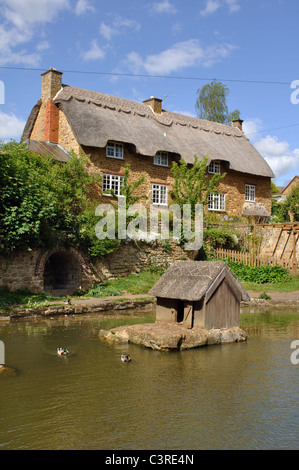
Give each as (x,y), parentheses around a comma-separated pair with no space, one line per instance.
(214,167)
(114,182)
(161,159)
(115,150)
(250,192)
(159,192)
(216,202)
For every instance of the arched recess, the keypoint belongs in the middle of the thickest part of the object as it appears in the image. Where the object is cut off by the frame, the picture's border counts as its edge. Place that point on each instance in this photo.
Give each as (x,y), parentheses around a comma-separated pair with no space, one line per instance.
(63,269)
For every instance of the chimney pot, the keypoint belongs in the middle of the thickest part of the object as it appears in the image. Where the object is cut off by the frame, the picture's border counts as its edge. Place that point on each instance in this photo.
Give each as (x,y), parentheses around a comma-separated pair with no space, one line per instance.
(155,104)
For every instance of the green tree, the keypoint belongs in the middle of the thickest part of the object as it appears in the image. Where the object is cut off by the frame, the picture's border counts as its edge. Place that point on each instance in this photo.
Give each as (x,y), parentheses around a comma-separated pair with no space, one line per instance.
(41,200)
(192,184)
(211,103)
(292,203)
(128,189)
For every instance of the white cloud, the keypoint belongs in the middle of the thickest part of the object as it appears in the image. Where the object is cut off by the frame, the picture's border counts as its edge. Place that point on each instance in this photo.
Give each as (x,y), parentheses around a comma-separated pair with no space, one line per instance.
(181,55)
(213,5)
(22,21)
(163,7)
(11,127)
(277,153)
(94,53)
(252,127)
(118,26)
(22,13)
(83,6)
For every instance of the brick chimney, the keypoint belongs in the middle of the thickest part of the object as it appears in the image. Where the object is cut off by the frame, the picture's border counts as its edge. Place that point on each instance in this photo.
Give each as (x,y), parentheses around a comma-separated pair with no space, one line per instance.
(155,104)
(238,123)
(51,84)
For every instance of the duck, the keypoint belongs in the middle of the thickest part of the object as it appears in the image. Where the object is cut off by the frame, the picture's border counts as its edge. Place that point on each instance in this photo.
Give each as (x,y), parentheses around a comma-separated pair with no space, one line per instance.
(62,352)
(125,358)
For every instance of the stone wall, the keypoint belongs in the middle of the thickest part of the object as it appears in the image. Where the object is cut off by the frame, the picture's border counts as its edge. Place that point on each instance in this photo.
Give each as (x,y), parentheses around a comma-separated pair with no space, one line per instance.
(27,269)
(272,238)
(133,256)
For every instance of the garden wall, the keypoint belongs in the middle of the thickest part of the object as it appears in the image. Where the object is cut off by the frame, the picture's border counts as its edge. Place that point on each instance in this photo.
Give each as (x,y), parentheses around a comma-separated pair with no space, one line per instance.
(67,269)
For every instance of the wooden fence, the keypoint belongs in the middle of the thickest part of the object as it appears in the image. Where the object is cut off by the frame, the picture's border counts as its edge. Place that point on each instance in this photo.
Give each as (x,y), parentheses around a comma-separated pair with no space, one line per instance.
(251,259)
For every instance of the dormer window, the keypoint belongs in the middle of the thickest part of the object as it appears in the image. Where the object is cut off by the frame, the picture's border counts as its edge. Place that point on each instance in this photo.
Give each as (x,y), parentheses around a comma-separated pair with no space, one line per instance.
(214,167)
(161,159)
(115,150)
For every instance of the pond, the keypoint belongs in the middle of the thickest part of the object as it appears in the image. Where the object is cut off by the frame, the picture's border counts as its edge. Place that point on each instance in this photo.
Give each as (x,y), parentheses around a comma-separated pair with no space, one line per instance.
(232,396)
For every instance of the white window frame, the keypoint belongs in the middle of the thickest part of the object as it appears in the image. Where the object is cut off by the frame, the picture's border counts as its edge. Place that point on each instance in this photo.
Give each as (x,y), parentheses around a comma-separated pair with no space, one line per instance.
(115,150)
(249,192)
(161,159)
(112,181)
(214,167)
(216,202)
(159,194)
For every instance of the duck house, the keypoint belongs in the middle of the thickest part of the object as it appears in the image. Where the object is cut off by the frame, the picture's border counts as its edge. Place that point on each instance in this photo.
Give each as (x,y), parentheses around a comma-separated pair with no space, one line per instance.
(204,294)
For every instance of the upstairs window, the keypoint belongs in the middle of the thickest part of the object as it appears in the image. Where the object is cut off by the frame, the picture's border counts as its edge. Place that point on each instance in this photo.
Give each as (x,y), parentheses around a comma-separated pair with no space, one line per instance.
(161,159)
(214,167)
(216,202)
(159,194)
(114,182)
(115,150)
(249,192)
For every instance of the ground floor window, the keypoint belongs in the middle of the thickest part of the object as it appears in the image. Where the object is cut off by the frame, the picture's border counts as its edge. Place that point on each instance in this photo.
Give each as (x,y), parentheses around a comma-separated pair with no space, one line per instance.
(114,182)
(159,194)
(216,202)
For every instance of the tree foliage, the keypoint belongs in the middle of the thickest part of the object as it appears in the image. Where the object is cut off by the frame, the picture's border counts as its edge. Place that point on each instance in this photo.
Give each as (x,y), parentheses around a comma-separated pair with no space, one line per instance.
(211,103)
(128,189)
(292,203)
(192,184)
(41,200)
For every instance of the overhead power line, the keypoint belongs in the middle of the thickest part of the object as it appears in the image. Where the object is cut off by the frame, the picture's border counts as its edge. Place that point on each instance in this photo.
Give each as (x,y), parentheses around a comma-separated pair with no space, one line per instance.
(273,129)
(172,77)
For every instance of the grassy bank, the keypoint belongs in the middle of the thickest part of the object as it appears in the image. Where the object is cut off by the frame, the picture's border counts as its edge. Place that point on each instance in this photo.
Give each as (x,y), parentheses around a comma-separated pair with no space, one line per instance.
(25,299)
(135,284)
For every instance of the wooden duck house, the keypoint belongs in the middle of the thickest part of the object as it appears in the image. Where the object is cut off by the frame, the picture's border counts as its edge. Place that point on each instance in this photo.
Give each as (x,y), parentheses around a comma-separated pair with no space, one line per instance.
(203,294)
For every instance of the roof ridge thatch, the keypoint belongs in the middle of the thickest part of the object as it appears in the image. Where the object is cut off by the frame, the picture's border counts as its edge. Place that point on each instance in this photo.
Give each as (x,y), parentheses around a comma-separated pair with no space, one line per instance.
(133,107)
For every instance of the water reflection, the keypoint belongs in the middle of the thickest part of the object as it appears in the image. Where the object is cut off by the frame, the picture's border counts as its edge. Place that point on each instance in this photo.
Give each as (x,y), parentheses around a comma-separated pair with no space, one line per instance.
(234,396)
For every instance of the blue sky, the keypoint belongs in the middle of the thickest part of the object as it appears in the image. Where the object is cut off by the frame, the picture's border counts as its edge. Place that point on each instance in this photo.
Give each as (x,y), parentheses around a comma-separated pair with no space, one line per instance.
(167,48)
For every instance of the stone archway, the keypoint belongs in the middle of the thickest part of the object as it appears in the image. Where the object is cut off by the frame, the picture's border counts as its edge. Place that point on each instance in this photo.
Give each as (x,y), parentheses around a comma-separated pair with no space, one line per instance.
(63,269)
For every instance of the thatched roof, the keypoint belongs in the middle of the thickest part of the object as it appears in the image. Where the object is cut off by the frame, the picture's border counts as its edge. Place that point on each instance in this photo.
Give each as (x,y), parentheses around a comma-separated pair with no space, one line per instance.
(96,118)
(255,209)
(192,280)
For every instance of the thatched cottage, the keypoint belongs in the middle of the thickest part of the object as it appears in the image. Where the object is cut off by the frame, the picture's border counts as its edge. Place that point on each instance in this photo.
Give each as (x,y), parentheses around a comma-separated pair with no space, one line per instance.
(115,131)
(203,294)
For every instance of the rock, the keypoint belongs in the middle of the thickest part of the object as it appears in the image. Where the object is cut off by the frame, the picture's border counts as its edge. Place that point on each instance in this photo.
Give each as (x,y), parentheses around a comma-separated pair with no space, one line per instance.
(7,371)
(169,336)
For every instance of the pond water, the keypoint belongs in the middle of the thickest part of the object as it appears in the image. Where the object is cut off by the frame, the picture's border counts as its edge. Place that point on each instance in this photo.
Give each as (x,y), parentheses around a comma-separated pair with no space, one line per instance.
(233,396)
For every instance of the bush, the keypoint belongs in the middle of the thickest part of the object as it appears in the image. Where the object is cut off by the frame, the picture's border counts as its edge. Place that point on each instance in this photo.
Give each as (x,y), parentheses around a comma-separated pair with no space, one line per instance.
(259,274)
(224,237)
